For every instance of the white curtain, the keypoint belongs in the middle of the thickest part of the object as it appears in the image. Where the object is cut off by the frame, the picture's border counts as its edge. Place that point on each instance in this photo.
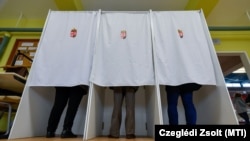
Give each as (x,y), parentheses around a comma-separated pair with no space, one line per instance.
(63,59)
(123,55)
(181,49)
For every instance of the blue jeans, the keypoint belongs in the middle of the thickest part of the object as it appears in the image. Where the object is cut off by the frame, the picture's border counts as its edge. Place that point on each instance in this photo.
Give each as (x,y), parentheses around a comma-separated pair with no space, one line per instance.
(173,93)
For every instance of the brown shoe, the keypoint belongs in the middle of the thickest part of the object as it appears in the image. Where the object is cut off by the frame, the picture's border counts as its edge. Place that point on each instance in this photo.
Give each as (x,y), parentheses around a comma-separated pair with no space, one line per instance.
(111,136)
(130,136)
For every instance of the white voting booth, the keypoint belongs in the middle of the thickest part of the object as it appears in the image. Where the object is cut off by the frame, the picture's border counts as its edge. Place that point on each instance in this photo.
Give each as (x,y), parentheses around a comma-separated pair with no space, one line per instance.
(148,49)
(64,58)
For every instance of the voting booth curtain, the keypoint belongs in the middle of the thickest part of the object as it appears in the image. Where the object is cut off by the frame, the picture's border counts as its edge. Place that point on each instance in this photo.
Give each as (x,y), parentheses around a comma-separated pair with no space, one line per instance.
(65,53)
(123,54)
(122,49)
(181,48)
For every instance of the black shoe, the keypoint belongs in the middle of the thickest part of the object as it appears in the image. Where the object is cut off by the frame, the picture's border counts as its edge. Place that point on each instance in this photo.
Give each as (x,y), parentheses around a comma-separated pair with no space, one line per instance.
(111,136)
(130,136)
(50,134)
(67,134)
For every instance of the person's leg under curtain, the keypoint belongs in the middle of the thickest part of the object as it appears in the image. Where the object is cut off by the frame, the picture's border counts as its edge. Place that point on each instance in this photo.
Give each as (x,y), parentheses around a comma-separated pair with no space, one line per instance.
(60,102)
(130,112)
(190,111)
(75,97)
(172,99)
(76,94)
(117,113)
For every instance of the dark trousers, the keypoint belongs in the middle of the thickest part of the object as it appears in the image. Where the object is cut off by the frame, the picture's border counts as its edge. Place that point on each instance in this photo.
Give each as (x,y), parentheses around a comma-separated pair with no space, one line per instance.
(119,94)
(65,95)
(186,94)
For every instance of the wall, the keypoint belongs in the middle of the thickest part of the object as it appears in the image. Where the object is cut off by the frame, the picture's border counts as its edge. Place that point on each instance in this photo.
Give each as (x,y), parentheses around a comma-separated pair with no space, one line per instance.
(232,41)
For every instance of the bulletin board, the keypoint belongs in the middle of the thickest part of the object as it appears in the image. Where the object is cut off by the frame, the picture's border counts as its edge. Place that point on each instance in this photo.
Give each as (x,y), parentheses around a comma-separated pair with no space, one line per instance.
(23,52)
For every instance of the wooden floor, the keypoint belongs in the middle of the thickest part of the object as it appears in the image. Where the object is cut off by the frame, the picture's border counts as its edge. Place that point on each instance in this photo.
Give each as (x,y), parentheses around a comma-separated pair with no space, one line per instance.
(79,139)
